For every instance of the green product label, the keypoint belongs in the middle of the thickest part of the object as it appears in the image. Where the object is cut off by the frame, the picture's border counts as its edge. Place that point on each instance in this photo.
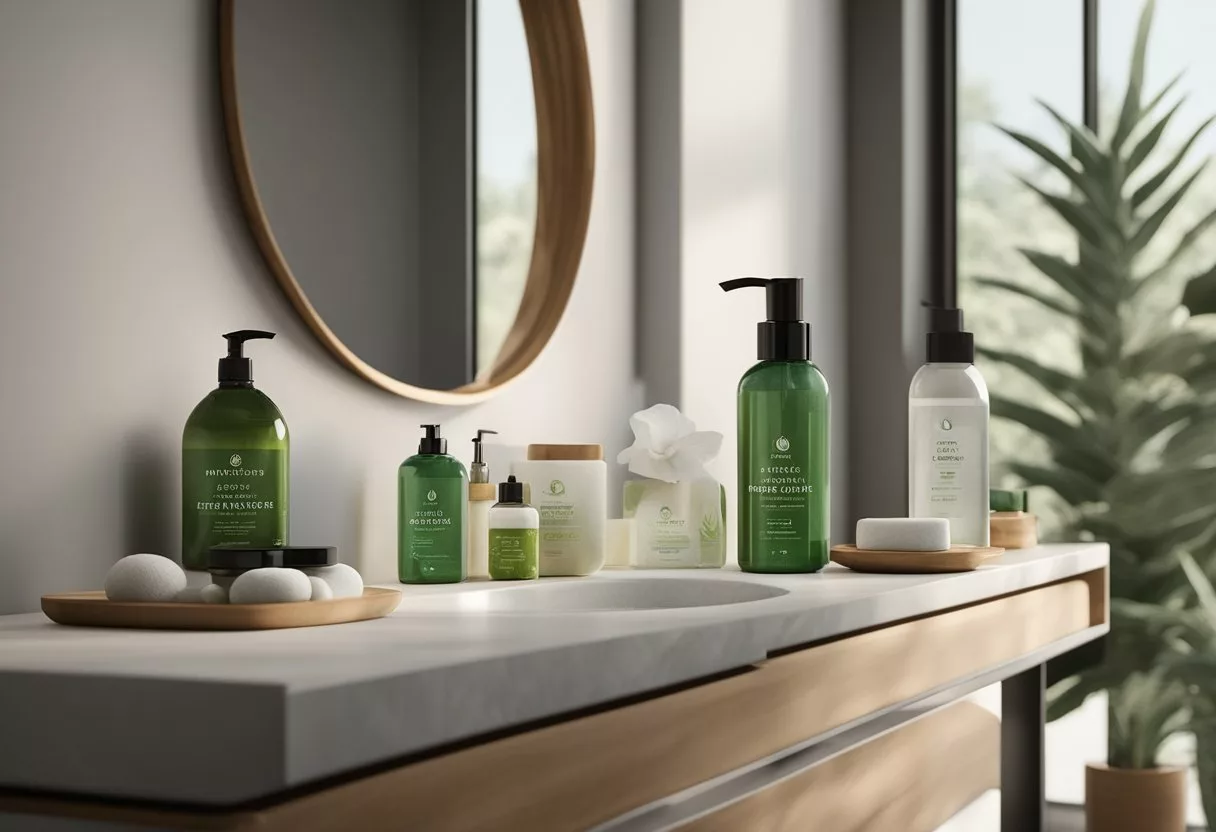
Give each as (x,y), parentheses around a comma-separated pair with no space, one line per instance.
(233,497)
(433,533)
(514,554)
(783,481)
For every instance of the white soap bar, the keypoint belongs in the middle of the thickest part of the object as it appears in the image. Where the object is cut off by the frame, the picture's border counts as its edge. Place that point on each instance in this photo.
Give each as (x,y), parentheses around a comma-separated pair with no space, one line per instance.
(904,534)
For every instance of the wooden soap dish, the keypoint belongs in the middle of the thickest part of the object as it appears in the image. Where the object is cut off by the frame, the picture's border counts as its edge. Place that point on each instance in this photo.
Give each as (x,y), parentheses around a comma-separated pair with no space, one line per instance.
(954,559)
(91,609)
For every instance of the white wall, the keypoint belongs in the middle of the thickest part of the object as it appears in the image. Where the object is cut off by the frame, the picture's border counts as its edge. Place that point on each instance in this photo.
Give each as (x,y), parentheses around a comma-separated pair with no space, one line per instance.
(762,194)
(124,255)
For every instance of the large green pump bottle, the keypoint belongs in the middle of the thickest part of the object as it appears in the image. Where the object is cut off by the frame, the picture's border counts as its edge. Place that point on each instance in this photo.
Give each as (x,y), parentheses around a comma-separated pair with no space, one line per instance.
(783,441)
(234,463)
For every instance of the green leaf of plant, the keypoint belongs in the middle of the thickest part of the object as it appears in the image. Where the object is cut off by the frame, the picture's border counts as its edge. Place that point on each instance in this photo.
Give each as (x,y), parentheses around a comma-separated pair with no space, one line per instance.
(1073,486)
(1151,138)
(1087,186)
(1186,242)
(1098,468)
(1199,295)
(1160,96)
(1083,144)
(1052,428)
(1201,584)
(1059,306)
(1130,113)
(1064,386)
(1164,498)
(1145,191)
(1081,217)
(1075,281)
(1171,353)
(1149,228)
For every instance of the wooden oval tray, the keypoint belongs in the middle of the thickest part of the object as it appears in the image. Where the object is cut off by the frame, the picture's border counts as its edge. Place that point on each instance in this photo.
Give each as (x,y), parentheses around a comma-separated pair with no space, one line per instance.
(91,609)
(954,559)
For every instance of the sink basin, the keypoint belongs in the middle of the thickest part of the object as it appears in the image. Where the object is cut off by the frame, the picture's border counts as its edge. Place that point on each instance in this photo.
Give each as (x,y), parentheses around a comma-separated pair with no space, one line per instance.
(578,595)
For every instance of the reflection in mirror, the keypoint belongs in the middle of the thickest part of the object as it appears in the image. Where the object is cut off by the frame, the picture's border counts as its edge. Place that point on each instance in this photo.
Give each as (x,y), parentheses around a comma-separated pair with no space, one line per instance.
(506,173)
(365,127)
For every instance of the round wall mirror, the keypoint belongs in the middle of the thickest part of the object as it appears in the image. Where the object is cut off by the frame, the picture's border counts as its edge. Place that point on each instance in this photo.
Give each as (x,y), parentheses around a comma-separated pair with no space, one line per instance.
(417,174)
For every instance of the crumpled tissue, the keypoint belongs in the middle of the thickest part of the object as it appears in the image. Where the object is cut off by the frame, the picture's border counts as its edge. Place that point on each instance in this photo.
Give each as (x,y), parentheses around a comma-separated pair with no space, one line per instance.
(667,445)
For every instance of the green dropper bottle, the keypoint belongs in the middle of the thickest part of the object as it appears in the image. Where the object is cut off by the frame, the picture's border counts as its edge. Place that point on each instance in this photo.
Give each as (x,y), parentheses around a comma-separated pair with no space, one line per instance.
(783,441)
(235,459)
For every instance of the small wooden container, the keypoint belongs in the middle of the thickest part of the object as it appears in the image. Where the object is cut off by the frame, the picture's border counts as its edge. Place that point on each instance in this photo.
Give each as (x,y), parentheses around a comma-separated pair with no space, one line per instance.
(1013,529)
(1011,525)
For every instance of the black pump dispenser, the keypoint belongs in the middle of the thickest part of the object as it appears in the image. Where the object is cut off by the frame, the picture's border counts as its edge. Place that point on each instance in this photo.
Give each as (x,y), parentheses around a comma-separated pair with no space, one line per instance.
(432,443)
(236,370)
(946,342)
(784,336)
(511,491)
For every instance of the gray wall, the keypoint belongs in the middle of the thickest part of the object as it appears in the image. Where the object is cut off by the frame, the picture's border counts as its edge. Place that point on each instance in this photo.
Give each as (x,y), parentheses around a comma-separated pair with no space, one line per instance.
(124,255)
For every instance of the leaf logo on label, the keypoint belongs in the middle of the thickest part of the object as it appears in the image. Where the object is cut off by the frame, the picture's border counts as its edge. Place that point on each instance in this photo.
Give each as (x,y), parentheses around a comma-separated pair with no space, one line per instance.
(557,488)
(235,460)
(665,513)
(431,495)
(782,444)
(947,424)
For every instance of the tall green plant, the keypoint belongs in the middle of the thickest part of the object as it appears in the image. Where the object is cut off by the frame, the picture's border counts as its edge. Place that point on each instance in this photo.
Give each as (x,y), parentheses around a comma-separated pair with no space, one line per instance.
(1132,435)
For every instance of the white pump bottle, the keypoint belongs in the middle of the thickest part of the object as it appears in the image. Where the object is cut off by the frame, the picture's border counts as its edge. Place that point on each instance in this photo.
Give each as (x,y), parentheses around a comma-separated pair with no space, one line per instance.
(948,433)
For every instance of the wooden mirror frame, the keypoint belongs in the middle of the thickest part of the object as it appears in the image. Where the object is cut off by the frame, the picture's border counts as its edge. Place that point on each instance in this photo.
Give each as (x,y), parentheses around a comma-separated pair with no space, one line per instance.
(565,154)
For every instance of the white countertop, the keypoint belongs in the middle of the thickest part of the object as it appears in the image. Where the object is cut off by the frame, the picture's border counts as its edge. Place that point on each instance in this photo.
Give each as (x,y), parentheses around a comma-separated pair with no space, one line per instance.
(218,718)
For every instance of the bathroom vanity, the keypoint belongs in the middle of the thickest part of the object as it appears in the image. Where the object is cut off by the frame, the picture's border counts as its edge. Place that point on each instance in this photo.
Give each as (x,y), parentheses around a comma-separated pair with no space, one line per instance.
(626,701)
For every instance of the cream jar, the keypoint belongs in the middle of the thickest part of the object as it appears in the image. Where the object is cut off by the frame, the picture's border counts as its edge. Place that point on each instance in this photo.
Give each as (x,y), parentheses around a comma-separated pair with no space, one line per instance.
(569,487)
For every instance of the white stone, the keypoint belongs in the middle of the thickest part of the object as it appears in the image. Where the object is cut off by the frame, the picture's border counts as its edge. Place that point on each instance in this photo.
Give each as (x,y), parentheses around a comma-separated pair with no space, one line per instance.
(321,591)
(213,594)
(189,595)
(271,585)
(345,581)
(144,577)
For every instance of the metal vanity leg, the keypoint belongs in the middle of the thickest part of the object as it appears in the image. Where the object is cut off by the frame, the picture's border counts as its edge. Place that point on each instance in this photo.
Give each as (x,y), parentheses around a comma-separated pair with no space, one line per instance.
(1023,715)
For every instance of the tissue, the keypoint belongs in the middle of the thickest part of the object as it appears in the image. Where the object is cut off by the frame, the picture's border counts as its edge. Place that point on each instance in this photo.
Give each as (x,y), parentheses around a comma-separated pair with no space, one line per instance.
(667,445)
(679,510)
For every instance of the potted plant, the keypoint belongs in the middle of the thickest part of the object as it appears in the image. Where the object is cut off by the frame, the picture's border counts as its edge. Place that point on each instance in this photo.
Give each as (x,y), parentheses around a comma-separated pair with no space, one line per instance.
(1131,433)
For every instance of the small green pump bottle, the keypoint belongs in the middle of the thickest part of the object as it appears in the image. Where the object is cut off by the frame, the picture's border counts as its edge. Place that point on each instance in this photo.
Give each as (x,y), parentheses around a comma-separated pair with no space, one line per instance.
(235,453)
(783,441)
(433,495)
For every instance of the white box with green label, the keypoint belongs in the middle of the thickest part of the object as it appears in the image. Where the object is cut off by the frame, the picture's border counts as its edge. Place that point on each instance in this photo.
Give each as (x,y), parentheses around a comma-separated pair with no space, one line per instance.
(680,525)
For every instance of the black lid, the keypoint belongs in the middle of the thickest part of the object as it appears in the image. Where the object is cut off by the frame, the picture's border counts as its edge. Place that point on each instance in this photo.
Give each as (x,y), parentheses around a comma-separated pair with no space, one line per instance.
(946,342)
(511,491)
(784,336)
(236,369)
(432,443)
(256,557)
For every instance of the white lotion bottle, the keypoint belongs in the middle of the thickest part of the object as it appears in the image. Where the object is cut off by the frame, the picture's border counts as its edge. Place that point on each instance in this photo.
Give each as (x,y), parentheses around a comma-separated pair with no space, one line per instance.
(948,433)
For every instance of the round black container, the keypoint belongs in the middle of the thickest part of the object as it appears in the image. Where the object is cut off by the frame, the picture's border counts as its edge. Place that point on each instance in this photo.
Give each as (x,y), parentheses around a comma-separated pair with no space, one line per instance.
(226,563)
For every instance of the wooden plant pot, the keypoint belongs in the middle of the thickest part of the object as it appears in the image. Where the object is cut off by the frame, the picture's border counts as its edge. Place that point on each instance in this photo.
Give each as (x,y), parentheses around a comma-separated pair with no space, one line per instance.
(1135,800)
